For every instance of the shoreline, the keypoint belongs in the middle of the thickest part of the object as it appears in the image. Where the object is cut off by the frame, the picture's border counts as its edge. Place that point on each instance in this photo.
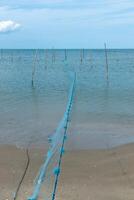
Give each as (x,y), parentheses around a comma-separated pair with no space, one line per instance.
(88,174)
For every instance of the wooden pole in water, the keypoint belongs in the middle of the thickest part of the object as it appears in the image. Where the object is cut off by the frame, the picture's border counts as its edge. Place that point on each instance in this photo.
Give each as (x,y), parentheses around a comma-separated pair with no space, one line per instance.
(81,55)
(1,54)
(53,55)
(12,55)
(65,54)
(107,71)
(91,59)
(46,55)
(34,66)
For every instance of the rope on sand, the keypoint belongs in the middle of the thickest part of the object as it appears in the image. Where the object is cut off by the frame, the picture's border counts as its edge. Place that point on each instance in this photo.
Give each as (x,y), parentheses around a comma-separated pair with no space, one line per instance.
(23,175)
(57,170)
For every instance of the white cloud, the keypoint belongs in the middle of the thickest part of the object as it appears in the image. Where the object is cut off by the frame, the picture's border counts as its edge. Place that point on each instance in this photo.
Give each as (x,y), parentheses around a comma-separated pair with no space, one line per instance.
(8,26)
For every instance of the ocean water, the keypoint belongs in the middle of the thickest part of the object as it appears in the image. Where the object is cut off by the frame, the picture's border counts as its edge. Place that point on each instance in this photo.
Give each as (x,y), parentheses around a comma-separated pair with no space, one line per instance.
(103,113)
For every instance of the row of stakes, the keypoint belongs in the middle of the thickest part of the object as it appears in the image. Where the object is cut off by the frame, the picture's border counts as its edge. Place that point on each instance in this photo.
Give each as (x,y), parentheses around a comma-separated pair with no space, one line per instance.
(11,56)
(82,56)
(53,57)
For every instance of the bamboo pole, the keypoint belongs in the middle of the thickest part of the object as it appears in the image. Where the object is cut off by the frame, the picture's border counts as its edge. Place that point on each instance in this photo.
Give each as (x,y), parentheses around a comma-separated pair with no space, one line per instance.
(53,55)
(107,67)
(34,67)
(1,54)
(91,59)
(46,56)
(81,55)
(65,54)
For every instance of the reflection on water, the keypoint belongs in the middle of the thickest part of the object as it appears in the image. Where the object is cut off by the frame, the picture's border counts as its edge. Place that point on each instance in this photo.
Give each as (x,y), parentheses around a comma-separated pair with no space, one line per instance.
(102,114)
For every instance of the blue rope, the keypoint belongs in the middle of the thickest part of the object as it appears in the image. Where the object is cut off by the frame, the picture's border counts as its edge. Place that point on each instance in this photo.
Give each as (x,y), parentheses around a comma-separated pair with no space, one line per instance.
(51,152)
(59,165)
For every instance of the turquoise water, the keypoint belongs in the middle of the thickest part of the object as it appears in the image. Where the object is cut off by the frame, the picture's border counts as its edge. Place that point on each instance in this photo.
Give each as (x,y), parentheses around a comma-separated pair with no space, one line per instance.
(103,114)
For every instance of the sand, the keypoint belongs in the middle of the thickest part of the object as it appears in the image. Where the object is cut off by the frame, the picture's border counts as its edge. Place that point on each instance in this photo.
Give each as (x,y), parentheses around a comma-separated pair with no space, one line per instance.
(85,175)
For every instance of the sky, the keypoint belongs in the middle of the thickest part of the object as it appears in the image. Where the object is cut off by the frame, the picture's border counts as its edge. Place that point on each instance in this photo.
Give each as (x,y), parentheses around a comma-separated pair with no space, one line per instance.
(66,23)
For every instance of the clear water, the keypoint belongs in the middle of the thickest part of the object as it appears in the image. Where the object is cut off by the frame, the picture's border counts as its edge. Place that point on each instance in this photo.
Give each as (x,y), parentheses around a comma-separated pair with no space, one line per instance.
(102,114)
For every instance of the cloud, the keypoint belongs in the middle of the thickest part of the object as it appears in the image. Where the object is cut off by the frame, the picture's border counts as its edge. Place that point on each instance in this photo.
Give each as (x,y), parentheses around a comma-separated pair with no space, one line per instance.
(62,20)
(8,26)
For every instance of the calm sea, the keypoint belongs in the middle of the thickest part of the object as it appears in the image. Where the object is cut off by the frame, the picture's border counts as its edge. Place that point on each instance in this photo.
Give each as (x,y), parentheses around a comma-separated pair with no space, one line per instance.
(103,113)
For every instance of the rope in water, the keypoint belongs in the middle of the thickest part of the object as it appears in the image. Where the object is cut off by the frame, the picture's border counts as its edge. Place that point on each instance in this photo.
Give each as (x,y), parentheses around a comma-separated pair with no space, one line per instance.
(23,175)
(51,152)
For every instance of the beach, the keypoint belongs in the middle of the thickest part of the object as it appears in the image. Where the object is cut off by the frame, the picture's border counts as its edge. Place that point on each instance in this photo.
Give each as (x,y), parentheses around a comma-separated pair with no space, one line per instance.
(89,174)
(66,100)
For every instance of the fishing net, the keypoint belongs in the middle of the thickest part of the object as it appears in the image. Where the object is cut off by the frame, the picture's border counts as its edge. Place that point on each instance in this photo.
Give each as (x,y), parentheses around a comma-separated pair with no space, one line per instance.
(47,179)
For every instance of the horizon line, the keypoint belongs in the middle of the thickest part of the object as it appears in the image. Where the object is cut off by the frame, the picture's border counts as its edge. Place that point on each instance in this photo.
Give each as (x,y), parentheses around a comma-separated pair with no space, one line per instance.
(66,48)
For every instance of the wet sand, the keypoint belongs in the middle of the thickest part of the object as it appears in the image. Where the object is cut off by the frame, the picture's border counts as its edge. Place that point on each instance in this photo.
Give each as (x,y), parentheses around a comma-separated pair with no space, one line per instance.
(86,174)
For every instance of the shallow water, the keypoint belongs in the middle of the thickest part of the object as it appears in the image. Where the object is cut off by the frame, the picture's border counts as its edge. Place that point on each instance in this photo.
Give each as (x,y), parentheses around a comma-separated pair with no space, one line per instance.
(102,114)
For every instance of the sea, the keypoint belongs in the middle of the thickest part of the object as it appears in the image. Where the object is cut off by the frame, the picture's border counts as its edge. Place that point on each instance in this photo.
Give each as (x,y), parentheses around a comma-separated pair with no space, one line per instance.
(34,88)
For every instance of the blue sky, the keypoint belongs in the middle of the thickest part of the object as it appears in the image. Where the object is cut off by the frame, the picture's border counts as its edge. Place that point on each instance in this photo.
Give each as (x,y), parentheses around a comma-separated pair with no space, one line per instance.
(66,23)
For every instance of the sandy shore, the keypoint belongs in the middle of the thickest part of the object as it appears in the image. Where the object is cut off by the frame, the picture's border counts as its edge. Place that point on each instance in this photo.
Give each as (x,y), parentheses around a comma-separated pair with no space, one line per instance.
(87,174)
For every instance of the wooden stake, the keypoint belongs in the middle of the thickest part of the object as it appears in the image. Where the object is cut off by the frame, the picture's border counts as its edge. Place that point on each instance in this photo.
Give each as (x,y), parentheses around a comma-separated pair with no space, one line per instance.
(65,54)
(91,60)
(1,54)
(107,71)
(53,55)
(34,67)
(46,55)
(81,55)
